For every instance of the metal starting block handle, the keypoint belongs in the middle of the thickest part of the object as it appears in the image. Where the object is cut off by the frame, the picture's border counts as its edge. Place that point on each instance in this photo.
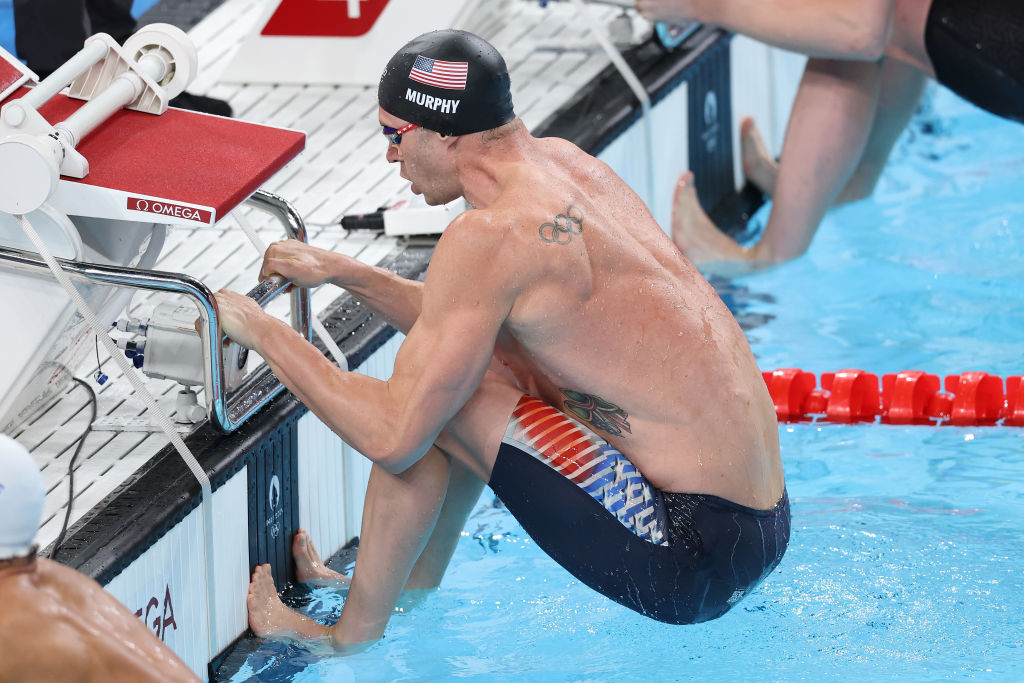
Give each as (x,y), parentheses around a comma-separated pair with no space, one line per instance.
(268,289)
(155,65)
(226,409)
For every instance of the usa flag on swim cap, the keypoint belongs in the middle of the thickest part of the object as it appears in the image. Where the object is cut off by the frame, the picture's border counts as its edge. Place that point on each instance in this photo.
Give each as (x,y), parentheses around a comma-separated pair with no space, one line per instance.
(440,74)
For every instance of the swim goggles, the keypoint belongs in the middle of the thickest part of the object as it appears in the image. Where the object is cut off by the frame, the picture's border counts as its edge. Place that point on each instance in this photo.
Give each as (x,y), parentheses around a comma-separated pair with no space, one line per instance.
(394,135)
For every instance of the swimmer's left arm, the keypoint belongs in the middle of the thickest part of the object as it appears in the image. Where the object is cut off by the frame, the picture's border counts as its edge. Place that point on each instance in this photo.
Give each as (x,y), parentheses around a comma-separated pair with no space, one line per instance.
(466,297)
(832,29)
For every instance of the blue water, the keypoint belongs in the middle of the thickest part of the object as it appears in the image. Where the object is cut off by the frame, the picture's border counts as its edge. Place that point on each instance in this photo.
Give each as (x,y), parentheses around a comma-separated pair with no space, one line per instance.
(907,553)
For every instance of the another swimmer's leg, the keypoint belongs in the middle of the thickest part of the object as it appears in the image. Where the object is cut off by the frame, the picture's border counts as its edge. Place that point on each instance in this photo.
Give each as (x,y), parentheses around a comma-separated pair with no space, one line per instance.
(309,568)
(697,237)
(825,138)
(901,90)
(759,167)
(900,93)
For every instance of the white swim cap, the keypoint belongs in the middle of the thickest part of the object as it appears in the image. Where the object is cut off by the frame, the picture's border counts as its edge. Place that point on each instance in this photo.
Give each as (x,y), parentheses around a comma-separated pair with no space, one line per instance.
(21,499)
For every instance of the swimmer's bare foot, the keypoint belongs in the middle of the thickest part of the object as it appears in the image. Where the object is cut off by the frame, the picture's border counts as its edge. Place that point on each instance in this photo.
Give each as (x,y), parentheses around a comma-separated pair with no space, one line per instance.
(758,165)
(694,233)
(309,568)
(269,617)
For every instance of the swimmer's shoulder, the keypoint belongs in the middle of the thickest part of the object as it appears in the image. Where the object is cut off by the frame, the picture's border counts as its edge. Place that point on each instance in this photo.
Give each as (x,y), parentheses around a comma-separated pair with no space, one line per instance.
(37,640)
(511,220)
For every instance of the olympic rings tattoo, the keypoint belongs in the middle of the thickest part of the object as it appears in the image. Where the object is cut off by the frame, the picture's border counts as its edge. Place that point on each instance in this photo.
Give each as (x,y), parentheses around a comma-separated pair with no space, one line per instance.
(563,228)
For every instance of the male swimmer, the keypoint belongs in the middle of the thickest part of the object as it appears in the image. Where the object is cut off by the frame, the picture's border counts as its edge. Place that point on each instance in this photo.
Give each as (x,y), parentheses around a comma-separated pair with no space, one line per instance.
(870,60)
(560,349)
(56,624)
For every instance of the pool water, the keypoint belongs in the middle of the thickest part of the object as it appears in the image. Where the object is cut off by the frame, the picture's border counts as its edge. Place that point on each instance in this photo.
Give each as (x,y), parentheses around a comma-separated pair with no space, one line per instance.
(907,552)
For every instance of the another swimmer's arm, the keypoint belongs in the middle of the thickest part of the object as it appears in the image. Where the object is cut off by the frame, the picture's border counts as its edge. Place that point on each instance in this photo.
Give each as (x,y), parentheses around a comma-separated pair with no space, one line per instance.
(839,29)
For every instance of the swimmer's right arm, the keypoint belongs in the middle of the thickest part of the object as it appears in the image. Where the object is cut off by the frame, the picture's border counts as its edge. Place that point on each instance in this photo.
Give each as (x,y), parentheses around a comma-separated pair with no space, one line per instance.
(395,298)
(836,29)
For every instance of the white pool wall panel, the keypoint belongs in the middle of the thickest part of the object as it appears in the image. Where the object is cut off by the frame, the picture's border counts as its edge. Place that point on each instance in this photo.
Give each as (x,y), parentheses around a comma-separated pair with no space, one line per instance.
(167,583)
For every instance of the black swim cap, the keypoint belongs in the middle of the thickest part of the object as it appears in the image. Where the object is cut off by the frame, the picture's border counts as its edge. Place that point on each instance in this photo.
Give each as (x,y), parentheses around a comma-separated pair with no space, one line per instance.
(452,82)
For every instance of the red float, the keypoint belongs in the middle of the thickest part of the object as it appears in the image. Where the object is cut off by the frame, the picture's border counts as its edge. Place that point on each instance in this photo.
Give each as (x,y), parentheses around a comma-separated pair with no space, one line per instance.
(906,397)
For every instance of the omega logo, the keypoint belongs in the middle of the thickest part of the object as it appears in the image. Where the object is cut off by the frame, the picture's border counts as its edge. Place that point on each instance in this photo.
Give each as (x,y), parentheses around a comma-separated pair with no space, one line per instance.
(168,209)
(162,617)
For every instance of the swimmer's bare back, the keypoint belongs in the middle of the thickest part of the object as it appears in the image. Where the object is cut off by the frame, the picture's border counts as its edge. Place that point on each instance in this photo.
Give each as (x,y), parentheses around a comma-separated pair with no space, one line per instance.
(614,327)
(59,625)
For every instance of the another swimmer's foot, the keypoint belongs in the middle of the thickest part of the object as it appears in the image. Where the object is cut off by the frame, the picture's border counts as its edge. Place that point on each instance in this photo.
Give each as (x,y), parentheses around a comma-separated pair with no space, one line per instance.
(698,238)
(309,568)
(268,616)
(758,165)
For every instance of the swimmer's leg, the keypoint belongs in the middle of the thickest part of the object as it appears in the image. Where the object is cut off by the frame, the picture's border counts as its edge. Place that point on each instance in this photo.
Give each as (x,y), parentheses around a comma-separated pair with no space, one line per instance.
(464,489)
(399,516)
(472,439)
(399,520)
(826,136)
(901,90)
(900,93)
(825,139)
(759,167)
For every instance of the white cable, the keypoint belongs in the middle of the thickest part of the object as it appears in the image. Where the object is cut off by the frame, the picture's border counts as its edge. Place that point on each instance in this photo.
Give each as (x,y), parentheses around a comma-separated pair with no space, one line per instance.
(318,327)
(634,84)
(161,418)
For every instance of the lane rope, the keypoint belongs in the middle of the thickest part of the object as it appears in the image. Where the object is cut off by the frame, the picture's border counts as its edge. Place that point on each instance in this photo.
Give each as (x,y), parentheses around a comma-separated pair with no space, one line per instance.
(905,397)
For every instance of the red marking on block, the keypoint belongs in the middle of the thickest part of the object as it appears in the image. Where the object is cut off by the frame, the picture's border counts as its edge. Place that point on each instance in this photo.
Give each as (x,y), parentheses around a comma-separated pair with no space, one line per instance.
(328,18)
(181,156)
(979,397)
(854,395)
(906,394)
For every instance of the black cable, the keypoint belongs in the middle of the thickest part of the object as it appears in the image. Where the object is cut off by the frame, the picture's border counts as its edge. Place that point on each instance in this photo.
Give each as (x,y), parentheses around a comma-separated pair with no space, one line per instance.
(71,466)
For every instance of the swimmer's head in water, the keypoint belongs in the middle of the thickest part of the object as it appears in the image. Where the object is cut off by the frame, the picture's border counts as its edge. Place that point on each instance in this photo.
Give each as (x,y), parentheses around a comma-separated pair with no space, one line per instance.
(452,82)
(21,499)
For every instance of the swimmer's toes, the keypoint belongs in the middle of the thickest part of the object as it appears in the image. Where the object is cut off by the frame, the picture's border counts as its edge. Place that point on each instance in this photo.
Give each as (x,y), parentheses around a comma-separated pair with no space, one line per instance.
(758,165)
(685,189)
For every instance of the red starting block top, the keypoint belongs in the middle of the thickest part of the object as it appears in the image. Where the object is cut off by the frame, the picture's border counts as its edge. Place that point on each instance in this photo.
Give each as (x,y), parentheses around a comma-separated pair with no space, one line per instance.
(179,167)
(12,73)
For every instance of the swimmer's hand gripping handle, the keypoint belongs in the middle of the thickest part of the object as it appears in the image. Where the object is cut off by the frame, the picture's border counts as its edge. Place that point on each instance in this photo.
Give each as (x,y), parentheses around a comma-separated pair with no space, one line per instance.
(268,289)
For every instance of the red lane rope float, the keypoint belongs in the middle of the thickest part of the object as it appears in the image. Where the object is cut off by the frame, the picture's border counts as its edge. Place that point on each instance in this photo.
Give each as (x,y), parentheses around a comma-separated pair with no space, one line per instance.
(907,397)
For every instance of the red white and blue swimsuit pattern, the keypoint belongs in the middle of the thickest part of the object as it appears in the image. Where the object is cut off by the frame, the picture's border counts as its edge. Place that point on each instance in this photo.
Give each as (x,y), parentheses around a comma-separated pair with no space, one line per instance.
(591,463)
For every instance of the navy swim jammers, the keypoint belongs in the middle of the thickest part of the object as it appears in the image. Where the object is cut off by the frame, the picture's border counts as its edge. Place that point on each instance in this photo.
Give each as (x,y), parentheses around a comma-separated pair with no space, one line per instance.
(977,51)
(680,558)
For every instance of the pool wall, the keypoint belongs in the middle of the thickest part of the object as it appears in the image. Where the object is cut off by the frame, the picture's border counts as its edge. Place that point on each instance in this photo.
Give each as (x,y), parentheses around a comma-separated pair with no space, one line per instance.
(285,469)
